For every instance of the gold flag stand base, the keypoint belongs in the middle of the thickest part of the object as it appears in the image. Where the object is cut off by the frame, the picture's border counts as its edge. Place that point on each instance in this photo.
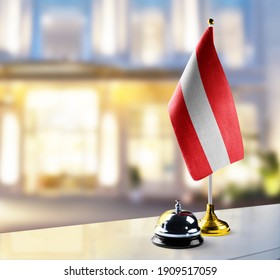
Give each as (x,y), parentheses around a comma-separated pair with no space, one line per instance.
(210,225)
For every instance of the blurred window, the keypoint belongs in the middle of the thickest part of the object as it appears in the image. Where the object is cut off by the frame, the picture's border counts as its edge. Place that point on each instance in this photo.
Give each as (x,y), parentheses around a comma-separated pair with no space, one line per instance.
(62,35)
(61,139)
(109,147)
(236,35)
(185,25)
(130,31)
(15,28)
(9,151)
(109,27)
(148,31)
(150,145)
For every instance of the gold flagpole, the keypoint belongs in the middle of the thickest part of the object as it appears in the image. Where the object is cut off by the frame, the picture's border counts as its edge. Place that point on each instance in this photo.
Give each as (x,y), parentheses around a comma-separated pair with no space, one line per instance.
(210,225)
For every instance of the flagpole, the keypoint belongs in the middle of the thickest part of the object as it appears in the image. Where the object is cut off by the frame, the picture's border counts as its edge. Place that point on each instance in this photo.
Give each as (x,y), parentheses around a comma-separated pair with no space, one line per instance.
(210,224)
(210,189)
(210,200)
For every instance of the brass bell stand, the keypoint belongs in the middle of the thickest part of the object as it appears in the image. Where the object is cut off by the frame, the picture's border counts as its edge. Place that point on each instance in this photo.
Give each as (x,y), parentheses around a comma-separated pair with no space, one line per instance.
(210,225)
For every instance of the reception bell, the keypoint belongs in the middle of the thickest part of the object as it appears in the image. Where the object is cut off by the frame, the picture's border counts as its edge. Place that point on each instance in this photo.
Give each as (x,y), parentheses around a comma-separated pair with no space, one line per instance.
(177,229)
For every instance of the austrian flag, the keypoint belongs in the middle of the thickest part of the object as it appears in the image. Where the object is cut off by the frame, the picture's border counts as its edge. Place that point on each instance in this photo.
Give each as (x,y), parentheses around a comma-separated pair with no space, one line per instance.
(203,113)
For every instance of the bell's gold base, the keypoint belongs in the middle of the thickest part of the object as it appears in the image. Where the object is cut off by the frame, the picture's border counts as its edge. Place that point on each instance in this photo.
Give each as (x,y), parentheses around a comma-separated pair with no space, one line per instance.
(210,225)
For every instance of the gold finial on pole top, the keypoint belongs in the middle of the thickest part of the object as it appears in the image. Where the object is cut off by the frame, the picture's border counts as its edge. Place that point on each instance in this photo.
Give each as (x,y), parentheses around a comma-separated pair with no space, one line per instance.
(211,22)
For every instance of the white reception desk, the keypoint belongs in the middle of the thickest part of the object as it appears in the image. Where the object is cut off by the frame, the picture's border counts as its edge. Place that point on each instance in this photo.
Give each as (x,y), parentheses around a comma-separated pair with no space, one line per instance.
(255,234)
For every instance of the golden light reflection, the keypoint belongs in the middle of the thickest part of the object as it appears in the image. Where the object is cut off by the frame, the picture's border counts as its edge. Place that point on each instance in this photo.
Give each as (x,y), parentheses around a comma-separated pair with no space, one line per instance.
(150,146)
(9,168)
(76,137)
(61,141)
(109,167)
(150,123)
(47,243)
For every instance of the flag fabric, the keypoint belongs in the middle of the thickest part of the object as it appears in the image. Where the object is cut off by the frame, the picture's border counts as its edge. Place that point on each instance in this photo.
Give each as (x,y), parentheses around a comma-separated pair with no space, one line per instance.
(203,113)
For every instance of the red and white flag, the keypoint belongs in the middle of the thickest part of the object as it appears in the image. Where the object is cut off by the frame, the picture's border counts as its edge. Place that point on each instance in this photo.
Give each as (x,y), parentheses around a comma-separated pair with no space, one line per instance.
(203,113)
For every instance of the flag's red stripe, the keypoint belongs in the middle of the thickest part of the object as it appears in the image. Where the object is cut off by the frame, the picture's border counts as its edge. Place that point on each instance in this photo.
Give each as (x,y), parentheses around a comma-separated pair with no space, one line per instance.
(191,148)
(219,95)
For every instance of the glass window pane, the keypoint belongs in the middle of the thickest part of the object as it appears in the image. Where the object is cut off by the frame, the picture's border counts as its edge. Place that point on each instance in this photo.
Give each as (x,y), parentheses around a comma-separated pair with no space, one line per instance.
(61,138)
(109,160)
(150,144)
(9,165)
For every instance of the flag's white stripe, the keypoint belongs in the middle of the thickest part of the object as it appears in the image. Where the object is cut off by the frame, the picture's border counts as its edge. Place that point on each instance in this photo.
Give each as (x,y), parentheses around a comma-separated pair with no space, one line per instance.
(202,116)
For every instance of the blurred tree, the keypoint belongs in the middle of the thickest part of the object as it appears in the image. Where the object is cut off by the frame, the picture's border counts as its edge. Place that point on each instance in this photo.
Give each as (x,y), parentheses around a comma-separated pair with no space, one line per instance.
(270,173)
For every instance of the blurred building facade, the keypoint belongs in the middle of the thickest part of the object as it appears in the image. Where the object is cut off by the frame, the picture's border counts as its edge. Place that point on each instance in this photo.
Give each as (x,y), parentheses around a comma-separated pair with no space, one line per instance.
(85,85)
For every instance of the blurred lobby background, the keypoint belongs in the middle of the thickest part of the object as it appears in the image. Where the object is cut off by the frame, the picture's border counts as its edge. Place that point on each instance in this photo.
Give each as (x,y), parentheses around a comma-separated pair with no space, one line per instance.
(84,85)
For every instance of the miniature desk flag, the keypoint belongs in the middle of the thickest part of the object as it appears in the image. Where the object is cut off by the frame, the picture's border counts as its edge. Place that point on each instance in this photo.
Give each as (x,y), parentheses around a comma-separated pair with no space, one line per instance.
(203,113)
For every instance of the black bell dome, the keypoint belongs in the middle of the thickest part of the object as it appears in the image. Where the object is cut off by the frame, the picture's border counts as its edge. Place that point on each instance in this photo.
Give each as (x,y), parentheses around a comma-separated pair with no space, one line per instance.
(177,229)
